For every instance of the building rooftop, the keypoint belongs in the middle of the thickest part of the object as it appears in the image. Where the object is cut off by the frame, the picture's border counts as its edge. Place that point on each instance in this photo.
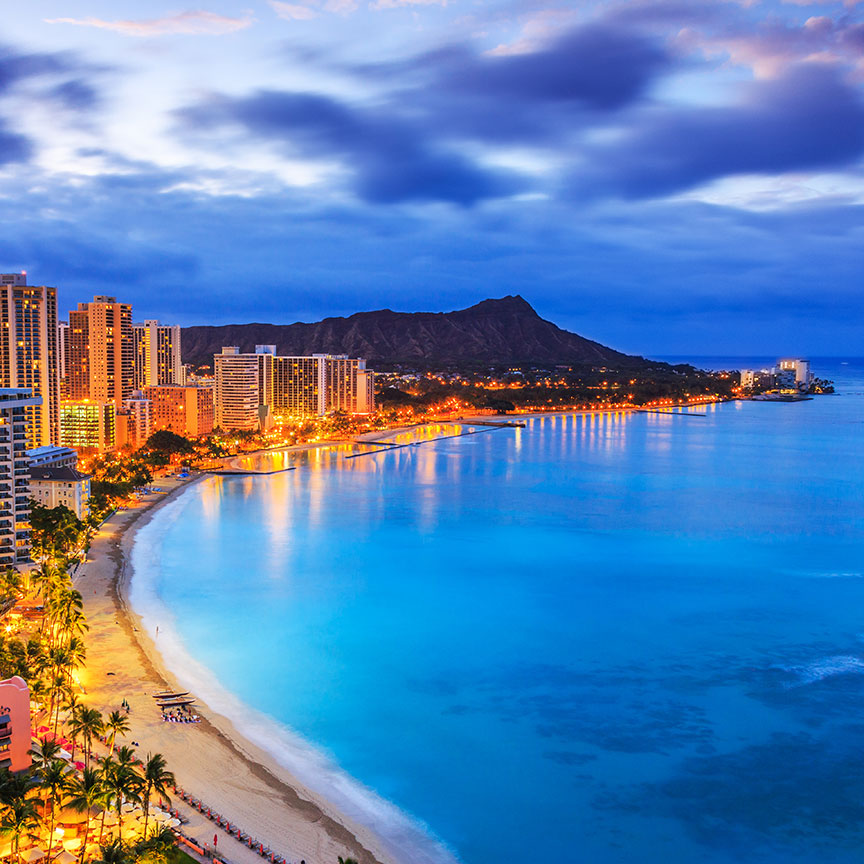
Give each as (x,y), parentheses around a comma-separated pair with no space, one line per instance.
(64,474)
(48,449)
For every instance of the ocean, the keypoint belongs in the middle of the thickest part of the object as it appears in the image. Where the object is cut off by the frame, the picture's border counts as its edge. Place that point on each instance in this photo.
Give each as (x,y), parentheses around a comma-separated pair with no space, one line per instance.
(605,638)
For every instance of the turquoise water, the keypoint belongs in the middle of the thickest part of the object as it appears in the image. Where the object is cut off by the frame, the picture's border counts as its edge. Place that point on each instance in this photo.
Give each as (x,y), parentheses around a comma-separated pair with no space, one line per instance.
(602,638)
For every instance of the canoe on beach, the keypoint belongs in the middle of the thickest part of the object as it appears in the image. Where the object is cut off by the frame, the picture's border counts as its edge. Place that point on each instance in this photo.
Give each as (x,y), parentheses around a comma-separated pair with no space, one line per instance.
(170,695)
(177,703)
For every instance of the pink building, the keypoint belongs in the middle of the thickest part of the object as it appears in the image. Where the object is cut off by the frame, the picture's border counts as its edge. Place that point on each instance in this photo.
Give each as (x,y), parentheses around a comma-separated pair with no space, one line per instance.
(14,724)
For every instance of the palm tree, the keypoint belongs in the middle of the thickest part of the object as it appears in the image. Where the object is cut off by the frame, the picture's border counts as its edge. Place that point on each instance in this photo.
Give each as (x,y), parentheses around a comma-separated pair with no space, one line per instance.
(72,706)
(125,757)
(59,689)
(121,782)
(87,792)
(46,754)
(117,723)
(10,582)
(20,819)
(115,852)
(87,723)
(161,845)
(54,782)
(157,778)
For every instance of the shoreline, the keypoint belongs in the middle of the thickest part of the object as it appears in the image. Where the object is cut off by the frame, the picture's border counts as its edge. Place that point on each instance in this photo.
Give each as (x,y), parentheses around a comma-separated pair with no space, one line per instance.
(212,760)
(232,467)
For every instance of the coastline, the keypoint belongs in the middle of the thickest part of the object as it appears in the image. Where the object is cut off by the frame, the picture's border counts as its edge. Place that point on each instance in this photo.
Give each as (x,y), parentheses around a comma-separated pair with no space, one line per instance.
(212,760)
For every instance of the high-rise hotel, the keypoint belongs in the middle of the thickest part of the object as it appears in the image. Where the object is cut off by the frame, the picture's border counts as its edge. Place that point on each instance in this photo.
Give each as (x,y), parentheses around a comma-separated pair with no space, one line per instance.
(16,406)
(254,389)
(29,352)
(157,354)
(100,360)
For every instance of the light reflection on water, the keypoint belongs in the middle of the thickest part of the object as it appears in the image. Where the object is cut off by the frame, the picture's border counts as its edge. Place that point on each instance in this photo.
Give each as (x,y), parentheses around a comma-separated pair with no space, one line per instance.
(605,637)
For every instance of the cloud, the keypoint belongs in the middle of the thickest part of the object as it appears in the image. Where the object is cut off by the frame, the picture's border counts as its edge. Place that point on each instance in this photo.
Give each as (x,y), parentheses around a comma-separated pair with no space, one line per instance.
(48,78)
(312,8)
(597,66)
(391,159)
(291,11)
(768,46)
(75,94)
(557,89)
(807,119)
(13,147)
(395,4)
(192,23)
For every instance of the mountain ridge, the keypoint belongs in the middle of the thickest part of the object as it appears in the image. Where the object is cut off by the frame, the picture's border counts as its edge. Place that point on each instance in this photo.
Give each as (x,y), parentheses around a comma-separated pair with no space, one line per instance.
(495,331)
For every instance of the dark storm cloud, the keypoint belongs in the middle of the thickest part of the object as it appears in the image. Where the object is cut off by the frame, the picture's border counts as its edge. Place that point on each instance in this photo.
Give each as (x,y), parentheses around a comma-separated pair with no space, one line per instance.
(597,66)
(75,94)
(13,147)
(806,119)
(60,78)
(392,159)
(598,78)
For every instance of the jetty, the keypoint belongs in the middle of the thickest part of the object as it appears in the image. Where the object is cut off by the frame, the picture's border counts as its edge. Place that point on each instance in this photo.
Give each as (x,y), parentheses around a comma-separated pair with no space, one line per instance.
(672,411)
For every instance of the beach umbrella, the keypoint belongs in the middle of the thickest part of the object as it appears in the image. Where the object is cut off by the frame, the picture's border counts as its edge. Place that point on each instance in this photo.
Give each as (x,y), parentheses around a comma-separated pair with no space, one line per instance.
(128,807)
(64,754)
(173,822)
(127,832)
(111,818)
(71,816)
(5,847)
(161,816)
(33,854)
(64,858)
(72,844)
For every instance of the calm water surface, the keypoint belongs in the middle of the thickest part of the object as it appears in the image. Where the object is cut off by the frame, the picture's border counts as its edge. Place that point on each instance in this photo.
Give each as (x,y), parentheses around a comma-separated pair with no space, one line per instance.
(607,638)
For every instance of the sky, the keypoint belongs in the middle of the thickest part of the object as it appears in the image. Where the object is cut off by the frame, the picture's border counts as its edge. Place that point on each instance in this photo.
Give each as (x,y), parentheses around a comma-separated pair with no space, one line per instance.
(664,177)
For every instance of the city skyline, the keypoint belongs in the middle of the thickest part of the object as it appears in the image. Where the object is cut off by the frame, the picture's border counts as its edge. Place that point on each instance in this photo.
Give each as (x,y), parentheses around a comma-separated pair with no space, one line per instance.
(665,179)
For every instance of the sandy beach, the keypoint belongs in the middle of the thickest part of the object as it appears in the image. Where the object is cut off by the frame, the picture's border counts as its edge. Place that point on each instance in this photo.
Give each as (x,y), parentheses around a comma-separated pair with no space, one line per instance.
(211,760)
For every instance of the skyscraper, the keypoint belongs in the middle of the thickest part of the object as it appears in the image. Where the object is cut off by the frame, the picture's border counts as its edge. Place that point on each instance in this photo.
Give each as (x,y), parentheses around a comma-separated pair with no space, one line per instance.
(29,353)
(157,354)
(100,363)
(243,387)
(299,386)
(15,404)
(252,389)
(62,351)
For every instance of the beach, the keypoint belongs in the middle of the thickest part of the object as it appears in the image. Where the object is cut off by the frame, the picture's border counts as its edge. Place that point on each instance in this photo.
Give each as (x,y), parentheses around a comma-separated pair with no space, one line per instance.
(211,759)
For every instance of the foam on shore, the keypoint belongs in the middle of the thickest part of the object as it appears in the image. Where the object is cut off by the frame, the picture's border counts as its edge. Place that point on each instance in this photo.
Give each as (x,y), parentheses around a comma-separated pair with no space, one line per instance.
(404,836)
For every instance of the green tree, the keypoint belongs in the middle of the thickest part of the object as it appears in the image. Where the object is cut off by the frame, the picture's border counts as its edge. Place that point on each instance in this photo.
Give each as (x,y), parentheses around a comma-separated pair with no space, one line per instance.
(86,724)
(115,852)
(121,782)
(170,443)
(20,819)
(157,778)
(86,793)
(53,781)
(116,724)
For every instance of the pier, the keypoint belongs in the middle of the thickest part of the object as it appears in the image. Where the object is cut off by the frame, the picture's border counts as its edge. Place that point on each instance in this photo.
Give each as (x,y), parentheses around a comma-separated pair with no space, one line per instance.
(668,411)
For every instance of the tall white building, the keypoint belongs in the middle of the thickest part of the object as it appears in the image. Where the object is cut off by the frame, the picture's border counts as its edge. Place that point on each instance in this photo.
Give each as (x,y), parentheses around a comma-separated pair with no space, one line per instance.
(243,388)
(62,349)
(252,389)
(801,368)
(157,354)
(15,404)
